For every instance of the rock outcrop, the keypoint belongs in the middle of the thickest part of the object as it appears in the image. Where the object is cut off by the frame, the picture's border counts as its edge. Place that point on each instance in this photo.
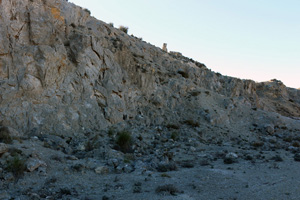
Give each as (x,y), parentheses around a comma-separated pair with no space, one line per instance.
(90,112)
(65,72)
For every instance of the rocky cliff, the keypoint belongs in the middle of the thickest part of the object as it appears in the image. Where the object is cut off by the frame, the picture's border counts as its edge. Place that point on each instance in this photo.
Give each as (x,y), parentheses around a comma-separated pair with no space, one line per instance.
(63,71)
(90,112)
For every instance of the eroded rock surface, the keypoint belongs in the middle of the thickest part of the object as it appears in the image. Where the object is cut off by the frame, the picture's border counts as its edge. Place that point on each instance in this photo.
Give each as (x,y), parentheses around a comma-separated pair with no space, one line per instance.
(64,71)
(82,100)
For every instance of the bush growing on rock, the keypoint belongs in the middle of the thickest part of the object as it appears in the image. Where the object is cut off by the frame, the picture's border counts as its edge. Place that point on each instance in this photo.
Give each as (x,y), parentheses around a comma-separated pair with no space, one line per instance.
(124,141)
(174,136)
(166,167)
(169,188)
(257,144)
(87,10)
(16,165)
(110,132)
(124,29)
(92,144)
(183,73)
(192,123)
(172,126)
(5,136)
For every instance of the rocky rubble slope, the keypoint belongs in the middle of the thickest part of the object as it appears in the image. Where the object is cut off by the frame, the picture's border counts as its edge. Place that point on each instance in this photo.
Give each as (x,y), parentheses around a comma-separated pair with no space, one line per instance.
(80,99)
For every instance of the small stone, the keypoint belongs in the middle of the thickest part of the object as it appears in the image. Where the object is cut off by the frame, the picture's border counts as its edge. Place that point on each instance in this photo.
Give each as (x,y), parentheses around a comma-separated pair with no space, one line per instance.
(34,163)
(114,162)
(35,138)
(102,170)
(81,147)
(165,167)
(204,162)
(71,157)
(3,148)
(34,196)
(138,184)
(277,158)
(9,176)
(230,158)
(137,189)
(269,128)
(119,169)
(193,149)
(292,149)
(231,155)
(128,169)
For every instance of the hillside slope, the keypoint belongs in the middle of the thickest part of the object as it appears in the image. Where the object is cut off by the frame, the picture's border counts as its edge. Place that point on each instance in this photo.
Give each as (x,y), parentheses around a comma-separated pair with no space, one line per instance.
(63,71)
(90,112)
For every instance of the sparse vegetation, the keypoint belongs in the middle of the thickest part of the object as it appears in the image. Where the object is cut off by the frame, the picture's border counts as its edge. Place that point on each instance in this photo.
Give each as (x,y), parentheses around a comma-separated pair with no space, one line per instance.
(195,93)
(172,126)
(257,144)
(174,136)
(187,164)
(165,175)
(110,132)
(128,158)
(297,157)
(5,136)
(16,165)
(111,24)
(296,144)
(183,73)
(288,139)
(92,144)
(228,160)
(277,158)
(124,29)
(87,10)
(168,188)
(124,141)
(165,167)
(192,123)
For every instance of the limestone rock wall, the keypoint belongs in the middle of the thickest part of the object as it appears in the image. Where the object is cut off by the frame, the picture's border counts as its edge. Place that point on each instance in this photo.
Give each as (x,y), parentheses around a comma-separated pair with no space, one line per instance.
(63,71)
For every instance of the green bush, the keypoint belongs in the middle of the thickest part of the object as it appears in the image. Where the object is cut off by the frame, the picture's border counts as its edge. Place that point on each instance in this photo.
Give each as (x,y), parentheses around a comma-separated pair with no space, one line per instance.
(124,29)
(172,126)
(111,132)
(5,136)
(174,136)
(168,188)
(16,165)
(192,123)
(124,141)
(87,10)
(92,143)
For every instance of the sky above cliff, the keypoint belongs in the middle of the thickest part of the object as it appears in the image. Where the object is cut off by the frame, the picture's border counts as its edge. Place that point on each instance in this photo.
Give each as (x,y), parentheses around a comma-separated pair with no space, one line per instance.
(251,39)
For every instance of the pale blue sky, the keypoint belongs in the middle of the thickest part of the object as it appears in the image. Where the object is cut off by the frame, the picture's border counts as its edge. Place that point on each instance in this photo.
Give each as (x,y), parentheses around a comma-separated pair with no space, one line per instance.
(249,39)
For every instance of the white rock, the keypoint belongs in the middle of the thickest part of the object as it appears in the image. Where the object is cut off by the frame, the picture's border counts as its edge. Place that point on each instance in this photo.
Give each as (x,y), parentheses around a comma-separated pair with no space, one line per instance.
(231,155)
(33,164)
(102,170)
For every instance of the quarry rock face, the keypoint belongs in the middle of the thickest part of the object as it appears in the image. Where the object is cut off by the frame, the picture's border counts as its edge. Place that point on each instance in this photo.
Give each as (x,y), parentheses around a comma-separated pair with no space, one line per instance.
(63,71)
(90,112)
